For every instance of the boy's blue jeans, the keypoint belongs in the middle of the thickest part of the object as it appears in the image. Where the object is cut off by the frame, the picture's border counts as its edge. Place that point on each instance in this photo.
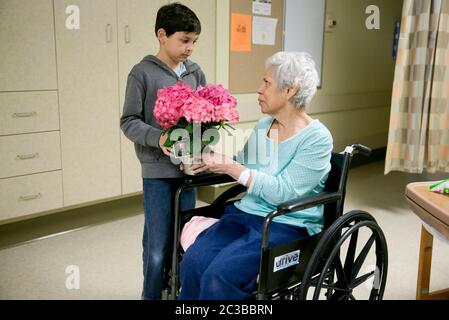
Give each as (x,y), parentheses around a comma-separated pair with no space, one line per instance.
(157,235)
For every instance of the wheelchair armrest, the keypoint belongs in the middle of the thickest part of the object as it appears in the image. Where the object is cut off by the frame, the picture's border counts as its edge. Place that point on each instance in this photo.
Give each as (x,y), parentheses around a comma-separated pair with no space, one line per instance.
(302,203)
(207,179)
(296,205)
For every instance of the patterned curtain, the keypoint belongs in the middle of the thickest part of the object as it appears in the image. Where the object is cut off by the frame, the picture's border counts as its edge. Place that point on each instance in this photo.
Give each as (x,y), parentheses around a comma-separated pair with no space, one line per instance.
(418,138)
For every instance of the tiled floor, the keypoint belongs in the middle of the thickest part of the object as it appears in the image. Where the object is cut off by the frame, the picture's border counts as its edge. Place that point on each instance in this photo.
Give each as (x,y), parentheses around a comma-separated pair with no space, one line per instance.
(108,255)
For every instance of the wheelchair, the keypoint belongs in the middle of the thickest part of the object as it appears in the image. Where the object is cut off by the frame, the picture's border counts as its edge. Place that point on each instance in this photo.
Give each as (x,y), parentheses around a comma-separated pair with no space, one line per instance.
(328,265)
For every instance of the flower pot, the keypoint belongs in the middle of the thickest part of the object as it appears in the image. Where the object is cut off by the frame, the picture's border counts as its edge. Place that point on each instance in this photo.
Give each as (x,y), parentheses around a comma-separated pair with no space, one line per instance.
(188,161)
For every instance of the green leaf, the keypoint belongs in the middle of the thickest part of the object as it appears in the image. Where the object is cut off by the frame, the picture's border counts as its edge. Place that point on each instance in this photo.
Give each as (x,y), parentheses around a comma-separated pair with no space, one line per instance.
(169,143)
(182,122)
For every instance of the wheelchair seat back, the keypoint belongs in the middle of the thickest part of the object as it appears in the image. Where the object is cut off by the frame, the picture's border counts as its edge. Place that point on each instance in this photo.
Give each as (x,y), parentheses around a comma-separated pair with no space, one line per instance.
(283,266)
(336,182)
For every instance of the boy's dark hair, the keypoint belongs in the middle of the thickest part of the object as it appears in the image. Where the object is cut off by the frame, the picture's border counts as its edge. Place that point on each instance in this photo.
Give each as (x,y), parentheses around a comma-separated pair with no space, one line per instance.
(176,17)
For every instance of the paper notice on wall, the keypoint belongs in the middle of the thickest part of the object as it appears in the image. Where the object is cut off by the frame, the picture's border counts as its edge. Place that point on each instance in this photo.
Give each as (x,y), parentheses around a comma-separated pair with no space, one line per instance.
(264,30)
(240,32)
(262,7)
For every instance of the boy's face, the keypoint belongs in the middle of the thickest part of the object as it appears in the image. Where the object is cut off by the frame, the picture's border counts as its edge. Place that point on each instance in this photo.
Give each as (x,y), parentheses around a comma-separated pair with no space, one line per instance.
(179,46)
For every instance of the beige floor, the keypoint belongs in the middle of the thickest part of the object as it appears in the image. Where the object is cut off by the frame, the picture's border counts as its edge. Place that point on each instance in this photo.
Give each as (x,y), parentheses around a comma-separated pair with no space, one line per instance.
(108,254)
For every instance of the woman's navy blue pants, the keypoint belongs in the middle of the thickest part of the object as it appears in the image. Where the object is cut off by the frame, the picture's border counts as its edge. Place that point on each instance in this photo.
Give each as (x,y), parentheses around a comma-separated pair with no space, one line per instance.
(223,262)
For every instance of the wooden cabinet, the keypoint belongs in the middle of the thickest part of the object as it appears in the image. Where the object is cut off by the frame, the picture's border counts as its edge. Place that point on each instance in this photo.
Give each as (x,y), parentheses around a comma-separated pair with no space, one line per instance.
(30,155)
(30,174)
(27,50)
(88,101)
(62,91)
(136,39)
(103,50)
(20,196)
(31,111)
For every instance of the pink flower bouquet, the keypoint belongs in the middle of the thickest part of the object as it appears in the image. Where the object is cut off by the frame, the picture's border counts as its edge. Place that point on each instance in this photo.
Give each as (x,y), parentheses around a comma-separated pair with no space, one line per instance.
(195,111)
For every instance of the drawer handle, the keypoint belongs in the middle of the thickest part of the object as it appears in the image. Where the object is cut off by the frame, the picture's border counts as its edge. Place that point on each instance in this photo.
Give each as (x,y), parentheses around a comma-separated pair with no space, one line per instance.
(31,197)
(24,114)
(27,156)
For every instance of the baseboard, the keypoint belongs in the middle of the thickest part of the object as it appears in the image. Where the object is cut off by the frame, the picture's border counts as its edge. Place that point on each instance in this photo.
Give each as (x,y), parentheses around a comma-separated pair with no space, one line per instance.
(19,232)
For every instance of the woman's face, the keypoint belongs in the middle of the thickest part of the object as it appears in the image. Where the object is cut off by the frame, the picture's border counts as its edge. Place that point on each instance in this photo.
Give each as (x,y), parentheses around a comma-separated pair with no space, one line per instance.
(271,98)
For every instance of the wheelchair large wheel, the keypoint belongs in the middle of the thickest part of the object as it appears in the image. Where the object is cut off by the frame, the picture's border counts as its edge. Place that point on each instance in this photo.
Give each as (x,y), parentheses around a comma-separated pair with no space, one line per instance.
(351,260)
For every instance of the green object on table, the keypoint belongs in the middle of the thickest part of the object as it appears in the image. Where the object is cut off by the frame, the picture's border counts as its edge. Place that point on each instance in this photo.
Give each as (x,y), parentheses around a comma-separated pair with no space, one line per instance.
(441,187)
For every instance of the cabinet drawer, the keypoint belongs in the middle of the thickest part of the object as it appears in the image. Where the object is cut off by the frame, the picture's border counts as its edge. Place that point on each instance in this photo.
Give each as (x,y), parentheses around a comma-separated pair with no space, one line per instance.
(30,194)
(26,112)
(29,153)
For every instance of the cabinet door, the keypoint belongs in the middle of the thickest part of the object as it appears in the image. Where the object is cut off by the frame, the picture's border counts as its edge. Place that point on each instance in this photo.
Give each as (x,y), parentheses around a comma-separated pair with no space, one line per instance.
(204,52)
(136,39)
(27,50)
(88,97)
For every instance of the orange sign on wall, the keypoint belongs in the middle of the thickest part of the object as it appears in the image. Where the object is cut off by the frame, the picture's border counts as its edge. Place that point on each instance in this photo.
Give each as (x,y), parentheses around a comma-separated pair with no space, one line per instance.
(240,32)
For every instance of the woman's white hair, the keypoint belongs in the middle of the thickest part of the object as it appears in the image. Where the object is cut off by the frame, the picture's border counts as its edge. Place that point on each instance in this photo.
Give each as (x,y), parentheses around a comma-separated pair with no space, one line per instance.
(295,69)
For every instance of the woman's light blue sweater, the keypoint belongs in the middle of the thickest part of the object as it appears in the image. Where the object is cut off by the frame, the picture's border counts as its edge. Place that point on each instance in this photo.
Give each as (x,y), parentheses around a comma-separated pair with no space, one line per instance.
(296,167)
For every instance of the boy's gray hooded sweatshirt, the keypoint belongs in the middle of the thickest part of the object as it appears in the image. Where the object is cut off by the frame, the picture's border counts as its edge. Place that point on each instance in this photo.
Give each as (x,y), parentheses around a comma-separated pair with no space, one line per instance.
(137,121)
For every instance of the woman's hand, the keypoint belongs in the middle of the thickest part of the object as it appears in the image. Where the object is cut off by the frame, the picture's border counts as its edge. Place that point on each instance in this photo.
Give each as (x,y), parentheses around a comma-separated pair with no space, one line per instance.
(218,163)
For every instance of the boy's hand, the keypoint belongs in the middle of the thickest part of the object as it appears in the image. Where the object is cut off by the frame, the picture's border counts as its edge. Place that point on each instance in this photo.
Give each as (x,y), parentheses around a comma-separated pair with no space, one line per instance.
(165,150)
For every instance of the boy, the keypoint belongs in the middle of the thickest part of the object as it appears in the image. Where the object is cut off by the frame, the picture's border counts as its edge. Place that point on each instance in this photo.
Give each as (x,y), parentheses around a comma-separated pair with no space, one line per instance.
(177,29)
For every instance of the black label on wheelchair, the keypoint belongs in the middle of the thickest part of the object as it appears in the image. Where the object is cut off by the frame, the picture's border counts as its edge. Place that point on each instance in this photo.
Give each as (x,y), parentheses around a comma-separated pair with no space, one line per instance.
(286,260)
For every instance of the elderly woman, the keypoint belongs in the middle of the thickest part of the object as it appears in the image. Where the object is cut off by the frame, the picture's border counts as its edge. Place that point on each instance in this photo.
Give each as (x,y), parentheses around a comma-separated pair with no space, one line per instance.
(223,262)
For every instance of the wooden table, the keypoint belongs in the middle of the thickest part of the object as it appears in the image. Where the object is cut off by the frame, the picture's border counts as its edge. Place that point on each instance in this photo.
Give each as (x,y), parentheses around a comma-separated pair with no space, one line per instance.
(433,209)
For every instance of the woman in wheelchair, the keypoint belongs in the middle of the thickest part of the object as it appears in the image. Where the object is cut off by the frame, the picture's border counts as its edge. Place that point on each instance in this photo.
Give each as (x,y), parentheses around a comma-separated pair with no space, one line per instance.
(287,155)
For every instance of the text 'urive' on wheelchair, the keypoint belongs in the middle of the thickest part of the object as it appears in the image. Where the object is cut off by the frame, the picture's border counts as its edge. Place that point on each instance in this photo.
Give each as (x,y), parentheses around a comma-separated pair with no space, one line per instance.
(347,260)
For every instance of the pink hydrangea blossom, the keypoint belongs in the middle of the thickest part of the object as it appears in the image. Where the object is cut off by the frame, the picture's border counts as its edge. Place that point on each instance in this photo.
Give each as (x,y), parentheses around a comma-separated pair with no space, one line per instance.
(169,104)
(179,106)
(211,104)
(225,105)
